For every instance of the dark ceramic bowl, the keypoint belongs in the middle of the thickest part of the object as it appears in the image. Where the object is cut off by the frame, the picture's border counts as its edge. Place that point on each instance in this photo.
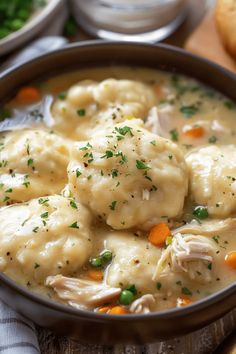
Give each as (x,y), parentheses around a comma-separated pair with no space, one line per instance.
(88,326)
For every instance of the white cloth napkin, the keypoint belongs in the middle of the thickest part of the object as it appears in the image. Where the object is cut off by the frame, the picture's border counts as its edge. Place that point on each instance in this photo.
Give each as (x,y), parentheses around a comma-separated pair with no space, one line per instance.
(17,334)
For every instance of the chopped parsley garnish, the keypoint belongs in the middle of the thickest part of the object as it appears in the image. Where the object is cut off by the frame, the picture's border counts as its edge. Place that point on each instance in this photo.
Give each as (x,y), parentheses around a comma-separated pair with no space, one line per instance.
(209,266)
(86,147)
(30,162)
(44,215)
(212,139)
(26,184)
(62,95)
(43,201)
(141,165)
(147,177)
(27,149)
(216,238)
(179,282)
(114,173)
(9,190)
(74,225)
(124,158)
(90,156)
(189,111)
(170,157)
(35,229)
(3,163)
(174,135)
(81,112)
(124,130)
(229,104)
(186,291)
(108,154)
(36,265)
(153,142)
(159,285)
(113,205)
(73,204)
(78,173)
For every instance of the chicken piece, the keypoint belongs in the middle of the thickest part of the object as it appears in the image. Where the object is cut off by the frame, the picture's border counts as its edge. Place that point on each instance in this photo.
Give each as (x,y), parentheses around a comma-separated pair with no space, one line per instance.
(187,253)
(144,304)
(81,293)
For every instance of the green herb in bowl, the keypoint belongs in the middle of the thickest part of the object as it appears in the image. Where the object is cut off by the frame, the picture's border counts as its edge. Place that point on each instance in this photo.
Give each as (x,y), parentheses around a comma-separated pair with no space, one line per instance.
(15,13)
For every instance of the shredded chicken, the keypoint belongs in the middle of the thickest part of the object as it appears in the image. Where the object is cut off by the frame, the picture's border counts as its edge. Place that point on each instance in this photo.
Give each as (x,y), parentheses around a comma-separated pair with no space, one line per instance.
(187,253)
(208,228)
(143,305)
(81,293)
(159,121)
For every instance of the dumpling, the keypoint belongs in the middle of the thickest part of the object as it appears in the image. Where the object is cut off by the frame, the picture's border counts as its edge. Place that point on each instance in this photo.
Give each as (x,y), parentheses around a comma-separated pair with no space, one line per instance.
(47,236)
(128,176)
(134,262)
(90,105)
(32,163)
(213,178)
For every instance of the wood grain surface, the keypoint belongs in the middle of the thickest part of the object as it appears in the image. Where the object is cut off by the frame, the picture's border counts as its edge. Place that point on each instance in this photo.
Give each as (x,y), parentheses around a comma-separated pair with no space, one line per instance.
(204,341)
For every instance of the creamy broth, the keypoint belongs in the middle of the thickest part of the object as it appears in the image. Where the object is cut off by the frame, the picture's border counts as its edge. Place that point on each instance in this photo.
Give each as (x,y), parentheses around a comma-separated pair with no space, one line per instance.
(120,196)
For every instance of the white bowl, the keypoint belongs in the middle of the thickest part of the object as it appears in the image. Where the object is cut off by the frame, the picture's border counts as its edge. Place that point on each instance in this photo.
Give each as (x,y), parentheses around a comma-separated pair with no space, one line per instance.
(36,24)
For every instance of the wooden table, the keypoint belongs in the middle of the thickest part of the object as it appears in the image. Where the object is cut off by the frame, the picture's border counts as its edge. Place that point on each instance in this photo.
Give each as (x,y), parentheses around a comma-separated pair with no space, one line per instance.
(204,341)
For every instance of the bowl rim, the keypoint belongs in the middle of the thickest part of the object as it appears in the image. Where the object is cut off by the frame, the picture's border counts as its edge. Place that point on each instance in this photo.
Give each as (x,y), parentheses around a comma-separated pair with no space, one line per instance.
(172,313)
(34,25)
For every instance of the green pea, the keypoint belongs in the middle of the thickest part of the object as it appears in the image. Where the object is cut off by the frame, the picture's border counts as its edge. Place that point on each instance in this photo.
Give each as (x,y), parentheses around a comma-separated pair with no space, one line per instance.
(132,288)
(106,256)
(96,262)
(201,212)
(126,297)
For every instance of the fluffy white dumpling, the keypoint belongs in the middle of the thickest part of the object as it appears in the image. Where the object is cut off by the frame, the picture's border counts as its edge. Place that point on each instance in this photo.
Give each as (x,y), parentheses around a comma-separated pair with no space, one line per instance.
(128,176)
(134,262)
(32,163)
(213,178)
(46,236)
(90,105)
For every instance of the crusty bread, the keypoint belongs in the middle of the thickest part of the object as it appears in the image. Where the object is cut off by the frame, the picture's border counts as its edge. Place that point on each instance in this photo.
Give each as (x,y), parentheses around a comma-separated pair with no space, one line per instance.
(225,15)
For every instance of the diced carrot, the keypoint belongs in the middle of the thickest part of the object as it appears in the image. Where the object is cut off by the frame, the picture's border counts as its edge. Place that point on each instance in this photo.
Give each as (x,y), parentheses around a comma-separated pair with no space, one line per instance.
(95,274)
(28,94)
(158,234)
(104,309)
(230,260)
(183,301)
(118,310)
(195,132)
